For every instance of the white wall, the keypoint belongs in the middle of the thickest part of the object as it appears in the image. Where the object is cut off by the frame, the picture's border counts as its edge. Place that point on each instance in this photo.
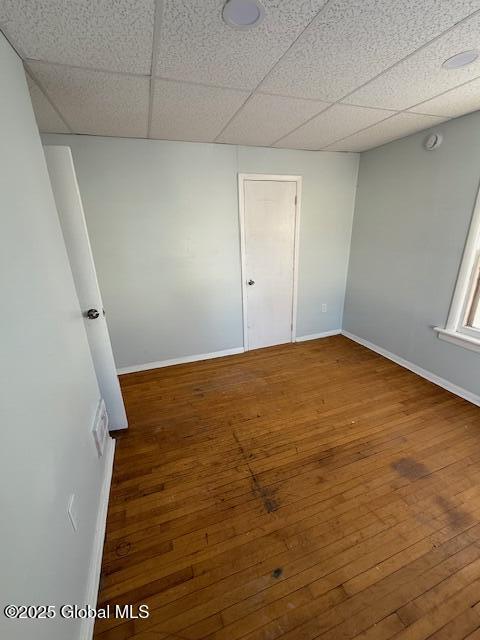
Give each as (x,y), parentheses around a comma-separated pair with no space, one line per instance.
(412,217)
(163,222)
(48,390)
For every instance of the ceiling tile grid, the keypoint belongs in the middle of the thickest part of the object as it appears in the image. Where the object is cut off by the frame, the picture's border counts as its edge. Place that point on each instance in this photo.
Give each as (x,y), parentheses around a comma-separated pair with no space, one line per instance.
(337,122)
(47,118)
(314,74)
(421,76)
(351,42)
(398,126)
(185,111)
(196,45)
(102,34)
(453,103)
(95,102)
(266,118)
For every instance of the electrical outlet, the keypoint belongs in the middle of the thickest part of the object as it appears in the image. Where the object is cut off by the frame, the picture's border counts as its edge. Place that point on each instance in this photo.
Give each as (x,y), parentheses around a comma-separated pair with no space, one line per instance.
(100,428)
(72,512)
(324,308)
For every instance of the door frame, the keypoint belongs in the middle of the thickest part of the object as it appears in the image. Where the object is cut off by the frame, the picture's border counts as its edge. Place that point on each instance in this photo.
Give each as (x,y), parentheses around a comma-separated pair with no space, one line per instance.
(267,177)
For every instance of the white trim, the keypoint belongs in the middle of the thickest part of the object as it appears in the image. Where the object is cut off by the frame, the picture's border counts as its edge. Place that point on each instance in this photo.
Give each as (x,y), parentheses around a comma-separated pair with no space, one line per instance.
(242,178)
(428,375)
(183,360)
(464,276)
(296,254)
(86,629)
(316,336)
(243,266)
(454,330)
(460,339)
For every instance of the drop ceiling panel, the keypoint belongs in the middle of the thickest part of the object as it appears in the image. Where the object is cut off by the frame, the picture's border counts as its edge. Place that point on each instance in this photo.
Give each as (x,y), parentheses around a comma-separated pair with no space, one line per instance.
(402,124)
(265,118)
(104,34)
(351,42)
(48,120)
(96,102)
(183,111)
(454,103)
(194,43)
(93,59)
(421,76)
(336,122)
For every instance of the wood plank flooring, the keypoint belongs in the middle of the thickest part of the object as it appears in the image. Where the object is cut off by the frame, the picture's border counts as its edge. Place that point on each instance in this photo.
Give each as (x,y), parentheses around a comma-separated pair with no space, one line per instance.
(311,490)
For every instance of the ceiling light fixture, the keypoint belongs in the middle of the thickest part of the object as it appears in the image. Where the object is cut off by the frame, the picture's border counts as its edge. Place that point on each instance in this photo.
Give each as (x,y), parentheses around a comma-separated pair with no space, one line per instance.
(460,60)
(242,14)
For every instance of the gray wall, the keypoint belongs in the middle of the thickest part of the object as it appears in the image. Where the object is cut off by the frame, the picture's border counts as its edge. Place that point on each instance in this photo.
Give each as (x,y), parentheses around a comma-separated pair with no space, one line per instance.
(163,222)
(48,389)
(412,214)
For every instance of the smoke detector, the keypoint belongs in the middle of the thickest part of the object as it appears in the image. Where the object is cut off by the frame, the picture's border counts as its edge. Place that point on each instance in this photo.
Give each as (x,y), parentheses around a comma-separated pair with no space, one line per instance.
(433,141)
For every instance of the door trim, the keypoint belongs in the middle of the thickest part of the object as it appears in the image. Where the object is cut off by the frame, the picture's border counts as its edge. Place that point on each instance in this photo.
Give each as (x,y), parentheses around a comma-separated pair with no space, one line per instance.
(267,177)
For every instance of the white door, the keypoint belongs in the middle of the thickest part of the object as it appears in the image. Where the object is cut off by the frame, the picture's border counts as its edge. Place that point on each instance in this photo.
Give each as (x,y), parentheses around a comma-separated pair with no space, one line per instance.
(269,260)
(74,228)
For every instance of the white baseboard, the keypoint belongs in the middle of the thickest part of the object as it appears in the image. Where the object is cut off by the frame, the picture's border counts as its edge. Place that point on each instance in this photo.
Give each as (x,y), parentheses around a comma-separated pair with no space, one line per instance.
(86,631)
(428,375)
(316,336)
(182,360)
(215,354)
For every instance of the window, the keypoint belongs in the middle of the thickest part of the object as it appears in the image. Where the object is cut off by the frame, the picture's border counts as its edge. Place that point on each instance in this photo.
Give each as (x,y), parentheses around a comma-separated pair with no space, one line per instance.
(473,310)
(463,324)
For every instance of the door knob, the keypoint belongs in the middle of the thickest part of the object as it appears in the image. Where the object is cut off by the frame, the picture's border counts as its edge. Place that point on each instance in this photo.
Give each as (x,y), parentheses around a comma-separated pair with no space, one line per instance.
(250,282)
(93,314)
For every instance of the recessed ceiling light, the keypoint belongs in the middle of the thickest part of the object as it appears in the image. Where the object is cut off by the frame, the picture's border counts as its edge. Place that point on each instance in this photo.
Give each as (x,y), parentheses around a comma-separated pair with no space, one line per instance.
(242,14)
(460,60)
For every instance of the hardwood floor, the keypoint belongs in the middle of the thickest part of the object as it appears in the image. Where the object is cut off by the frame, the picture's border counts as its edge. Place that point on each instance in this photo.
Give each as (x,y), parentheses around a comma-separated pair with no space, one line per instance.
(313,490)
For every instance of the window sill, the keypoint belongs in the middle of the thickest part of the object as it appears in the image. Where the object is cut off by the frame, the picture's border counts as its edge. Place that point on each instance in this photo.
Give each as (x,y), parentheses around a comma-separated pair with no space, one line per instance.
(460,339)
